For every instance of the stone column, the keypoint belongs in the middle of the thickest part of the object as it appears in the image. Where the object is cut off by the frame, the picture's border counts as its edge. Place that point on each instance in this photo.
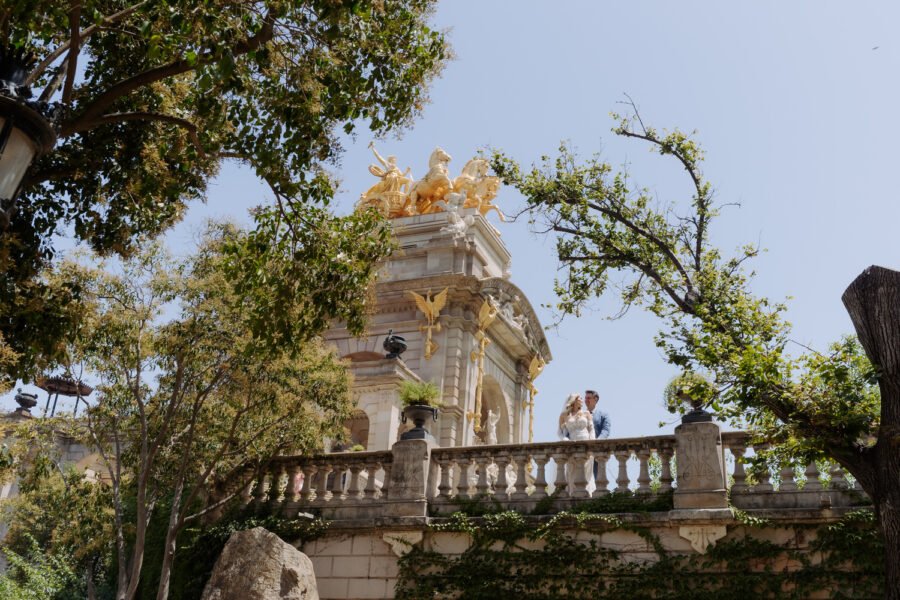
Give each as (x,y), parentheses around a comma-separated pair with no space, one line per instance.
(701,463)
(407,495)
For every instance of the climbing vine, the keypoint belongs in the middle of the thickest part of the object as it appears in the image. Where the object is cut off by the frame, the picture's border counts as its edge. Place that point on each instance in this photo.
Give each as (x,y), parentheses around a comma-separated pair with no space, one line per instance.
(528,558)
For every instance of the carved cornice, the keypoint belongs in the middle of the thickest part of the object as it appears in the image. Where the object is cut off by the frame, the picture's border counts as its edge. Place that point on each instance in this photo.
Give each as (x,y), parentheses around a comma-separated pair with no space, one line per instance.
(505,291)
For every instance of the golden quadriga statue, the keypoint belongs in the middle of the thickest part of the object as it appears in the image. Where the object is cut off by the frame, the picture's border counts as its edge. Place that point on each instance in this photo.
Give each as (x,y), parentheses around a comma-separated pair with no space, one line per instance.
(396,195)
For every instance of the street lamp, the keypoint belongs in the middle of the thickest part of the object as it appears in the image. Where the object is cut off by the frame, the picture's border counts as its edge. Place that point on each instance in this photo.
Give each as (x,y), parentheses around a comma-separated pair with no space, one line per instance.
(25,133)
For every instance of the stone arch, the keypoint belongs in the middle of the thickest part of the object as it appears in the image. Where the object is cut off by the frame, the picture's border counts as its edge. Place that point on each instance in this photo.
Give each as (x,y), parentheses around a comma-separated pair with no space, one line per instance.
(357,426)
(493,398)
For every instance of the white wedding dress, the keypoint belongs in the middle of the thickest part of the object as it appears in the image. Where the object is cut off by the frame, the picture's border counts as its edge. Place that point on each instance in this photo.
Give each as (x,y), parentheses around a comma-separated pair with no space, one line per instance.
(577,428)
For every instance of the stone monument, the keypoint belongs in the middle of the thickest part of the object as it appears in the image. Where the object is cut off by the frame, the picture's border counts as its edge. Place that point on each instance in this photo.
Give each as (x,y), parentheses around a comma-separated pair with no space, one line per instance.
(447,291)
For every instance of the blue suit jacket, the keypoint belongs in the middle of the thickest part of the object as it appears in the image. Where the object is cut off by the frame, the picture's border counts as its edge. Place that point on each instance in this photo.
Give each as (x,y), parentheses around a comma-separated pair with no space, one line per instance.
(601,423)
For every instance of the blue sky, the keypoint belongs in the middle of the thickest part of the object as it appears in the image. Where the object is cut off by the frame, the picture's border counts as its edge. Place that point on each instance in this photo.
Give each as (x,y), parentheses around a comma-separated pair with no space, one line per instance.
(795,103)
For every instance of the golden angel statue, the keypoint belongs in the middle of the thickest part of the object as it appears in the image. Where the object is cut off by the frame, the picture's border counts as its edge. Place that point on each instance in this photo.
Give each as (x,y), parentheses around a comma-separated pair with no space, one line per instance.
(431,308)
(391,194)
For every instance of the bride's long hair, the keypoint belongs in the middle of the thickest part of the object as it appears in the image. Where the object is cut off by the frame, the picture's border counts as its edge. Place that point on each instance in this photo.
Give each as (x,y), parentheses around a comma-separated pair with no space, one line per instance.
(567,410)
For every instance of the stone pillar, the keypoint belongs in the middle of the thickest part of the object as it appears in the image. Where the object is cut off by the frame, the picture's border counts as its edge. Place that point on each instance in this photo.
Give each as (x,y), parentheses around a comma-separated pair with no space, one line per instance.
(701,464)
(407,495)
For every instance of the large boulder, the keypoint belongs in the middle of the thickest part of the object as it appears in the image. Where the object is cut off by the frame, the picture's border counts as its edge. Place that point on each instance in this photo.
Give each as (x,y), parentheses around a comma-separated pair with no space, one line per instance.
(256,564)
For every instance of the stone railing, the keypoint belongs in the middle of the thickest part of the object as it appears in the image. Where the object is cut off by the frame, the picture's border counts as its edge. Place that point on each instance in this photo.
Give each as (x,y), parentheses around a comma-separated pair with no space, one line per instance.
(417,479)
(810,490)
(519,476)
(344,485)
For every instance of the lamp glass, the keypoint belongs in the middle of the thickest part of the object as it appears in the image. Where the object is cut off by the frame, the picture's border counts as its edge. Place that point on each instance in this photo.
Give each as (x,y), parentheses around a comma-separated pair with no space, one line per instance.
(15,160)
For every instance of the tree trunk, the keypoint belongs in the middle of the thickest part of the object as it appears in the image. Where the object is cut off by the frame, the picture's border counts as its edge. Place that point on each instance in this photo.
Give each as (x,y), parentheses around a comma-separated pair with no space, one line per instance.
(165,573)
(873,302)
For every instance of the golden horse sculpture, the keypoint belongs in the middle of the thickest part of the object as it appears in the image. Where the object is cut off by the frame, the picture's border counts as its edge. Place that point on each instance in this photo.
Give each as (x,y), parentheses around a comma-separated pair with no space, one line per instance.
(434,186)
(396,195)
(479,187)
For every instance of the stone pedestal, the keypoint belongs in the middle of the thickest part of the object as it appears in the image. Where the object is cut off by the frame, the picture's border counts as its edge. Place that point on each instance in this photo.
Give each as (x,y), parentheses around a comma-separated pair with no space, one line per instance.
(409,474)
(701,467)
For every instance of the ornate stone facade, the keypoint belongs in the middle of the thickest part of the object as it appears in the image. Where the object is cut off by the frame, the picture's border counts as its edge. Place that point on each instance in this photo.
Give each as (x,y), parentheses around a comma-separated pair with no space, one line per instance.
(450,264)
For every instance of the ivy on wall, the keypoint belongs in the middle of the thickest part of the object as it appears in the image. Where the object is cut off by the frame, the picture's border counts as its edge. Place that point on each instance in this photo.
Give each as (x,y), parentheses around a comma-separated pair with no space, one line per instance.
(510,556)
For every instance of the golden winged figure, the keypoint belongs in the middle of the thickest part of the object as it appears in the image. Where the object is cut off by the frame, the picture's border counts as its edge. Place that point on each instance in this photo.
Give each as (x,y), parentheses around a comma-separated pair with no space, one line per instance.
(431,308)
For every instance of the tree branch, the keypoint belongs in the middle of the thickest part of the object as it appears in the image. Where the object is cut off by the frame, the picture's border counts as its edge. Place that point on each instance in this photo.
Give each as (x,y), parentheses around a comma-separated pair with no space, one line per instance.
(143,116)
(86,33)
(74,49)
(125,87)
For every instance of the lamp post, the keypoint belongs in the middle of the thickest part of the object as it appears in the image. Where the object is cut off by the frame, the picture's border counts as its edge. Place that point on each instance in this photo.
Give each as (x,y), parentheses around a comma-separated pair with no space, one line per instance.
(25,133)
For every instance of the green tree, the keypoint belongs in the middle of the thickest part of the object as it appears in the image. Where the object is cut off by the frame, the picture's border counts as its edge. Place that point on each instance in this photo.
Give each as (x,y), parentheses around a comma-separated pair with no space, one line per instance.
(150,96)
(838,404)
(190,403)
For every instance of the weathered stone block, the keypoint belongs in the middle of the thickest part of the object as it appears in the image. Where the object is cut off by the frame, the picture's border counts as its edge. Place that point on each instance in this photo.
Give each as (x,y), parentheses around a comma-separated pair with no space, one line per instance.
(258,564)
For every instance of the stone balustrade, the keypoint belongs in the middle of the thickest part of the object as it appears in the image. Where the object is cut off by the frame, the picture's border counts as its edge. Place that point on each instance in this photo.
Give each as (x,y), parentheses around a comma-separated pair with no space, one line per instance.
(343,485)
(522,475)
(785,486)
(418,479)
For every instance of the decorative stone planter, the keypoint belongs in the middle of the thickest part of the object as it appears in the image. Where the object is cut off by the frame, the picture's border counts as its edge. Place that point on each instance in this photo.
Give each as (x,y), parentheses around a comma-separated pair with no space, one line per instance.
(418,414)
(394,345)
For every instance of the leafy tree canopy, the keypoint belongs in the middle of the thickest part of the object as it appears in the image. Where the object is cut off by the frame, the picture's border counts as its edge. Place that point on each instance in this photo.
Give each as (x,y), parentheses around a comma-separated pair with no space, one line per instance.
(150,96)
(844,403)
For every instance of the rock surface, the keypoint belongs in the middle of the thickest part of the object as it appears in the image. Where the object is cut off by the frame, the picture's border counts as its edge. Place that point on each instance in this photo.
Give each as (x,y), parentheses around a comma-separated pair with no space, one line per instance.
(258,565)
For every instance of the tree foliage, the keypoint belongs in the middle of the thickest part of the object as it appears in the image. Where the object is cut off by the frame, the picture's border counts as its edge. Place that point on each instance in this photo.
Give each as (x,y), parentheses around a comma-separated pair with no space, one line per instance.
(615,236)
(190,403)
(149,97)
(612,233)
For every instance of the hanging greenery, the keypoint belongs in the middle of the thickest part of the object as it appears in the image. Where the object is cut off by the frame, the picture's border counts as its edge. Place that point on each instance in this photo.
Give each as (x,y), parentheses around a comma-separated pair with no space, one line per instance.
(511,556)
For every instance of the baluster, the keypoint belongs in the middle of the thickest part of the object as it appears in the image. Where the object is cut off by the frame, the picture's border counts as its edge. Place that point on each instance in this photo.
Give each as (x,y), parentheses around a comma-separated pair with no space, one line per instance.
(602,481)
(740,476)
(540,481)
(371,469)
(561,489)
(622,480)
(431,484)
(247,494)
(386,467)
(259,492)
(322,493)
(765,484)
(644,474)
(307,492)
(483,487)
(445,487)
(292,491)
(813,483)
(353,488)
(787,479)
(337,482)
(279,474)
(500,491)
(579,477)
(520,488)
(838,481)
(665,475)
(462,486)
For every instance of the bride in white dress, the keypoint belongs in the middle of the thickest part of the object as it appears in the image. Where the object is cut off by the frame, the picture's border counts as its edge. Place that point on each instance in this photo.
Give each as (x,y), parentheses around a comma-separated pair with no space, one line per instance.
(577,424)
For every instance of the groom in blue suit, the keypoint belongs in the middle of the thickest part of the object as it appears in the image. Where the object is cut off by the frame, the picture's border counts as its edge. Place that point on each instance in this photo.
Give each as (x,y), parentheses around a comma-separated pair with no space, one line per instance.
(601,419)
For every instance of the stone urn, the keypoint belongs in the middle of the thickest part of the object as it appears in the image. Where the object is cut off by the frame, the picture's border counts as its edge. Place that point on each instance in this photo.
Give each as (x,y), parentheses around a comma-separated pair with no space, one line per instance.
(697,414)
(394,345)
(419,414)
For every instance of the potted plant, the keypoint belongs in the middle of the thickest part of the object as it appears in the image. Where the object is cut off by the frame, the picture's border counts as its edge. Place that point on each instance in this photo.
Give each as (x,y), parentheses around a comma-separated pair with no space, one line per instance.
(691,389)
(421,400)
